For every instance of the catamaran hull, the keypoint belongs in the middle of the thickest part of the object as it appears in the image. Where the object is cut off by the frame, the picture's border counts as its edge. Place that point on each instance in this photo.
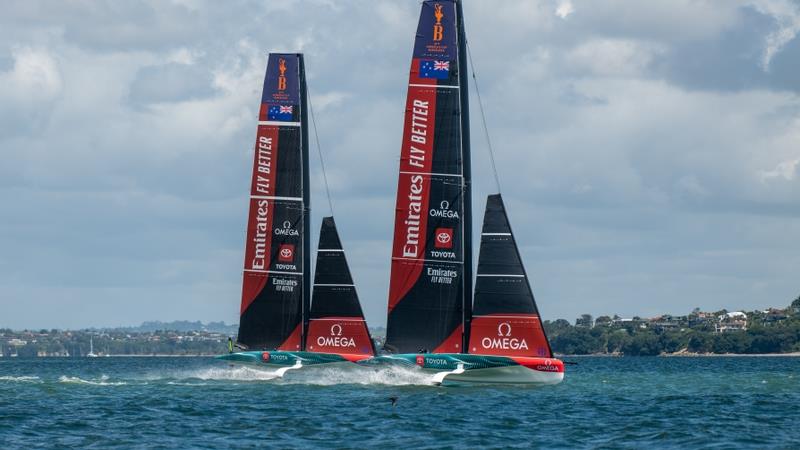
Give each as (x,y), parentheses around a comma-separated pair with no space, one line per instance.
(506,375)
(468,368)
(283,361)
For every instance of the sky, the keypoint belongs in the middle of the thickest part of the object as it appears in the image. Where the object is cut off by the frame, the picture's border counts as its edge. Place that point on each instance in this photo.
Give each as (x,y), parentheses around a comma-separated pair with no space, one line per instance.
(648,152)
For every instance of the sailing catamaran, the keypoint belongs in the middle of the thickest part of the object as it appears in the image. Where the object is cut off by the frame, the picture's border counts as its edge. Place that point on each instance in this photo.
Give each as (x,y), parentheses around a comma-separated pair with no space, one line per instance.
(280,326)
(431,321)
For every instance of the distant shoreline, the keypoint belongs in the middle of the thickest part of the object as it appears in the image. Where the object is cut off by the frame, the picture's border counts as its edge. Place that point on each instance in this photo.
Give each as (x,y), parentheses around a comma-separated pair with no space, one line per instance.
(696,355)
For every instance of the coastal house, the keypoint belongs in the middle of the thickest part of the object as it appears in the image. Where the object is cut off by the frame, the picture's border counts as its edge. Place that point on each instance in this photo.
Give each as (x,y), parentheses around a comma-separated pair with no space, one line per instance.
(635,322)
(774,315)
(732,321)
(665,322)
(602,321)
(700,318)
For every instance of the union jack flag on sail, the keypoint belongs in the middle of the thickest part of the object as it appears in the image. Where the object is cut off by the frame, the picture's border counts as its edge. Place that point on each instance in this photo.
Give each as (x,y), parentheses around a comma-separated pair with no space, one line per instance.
(429,68)
(280,112)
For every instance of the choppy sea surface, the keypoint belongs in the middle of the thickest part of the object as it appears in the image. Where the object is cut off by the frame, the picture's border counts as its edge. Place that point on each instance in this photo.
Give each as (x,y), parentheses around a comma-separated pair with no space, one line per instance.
(719,402)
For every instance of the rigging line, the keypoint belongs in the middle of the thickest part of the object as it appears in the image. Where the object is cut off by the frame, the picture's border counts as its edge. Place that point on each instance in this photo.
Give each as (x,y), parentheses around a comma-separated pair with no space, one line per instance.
(483,117)
(319,151)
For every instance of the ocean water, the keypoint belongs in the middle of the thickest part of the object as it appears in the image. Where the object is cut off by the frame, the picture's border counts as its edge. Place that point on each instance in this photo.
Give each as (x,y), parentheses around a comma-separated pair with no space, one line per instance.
(719,402)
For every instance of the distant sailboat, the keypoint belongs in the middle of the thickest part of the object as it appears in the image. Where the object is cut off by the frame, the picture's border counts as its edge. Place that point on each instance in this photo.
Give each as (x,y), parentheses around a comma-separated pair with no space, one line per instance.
(431,322)
(91,353)
(279,325)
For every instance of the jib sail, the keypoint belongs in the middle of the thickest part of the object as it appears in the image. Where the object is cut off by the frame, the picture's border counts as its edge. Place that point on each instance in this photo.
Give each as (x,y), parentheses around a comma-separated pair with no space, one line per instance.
(275,290)
(430,286)
(505,319)
(337,323)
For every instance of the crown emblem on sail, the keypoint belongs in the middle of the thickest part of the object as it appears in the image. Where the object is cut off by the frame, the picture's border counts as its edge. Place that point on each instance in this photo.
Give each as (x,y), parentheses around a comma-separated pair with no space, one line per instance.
(282,76)
(438,29)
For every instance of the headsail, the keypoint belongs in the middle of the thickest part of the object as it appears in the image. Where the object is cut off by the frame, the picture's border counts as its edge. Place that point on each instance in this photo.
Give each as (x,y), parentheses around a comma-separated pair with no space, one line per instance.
(430,286)
(274,289)
(505,319)
(337,323)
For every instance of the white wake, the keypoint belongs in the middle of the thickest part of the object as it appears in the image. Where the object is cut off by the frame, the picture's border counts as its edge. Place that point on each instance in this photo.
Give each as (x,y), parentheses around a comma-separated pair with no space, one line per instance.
(310,375)
(102,381)
(21,379)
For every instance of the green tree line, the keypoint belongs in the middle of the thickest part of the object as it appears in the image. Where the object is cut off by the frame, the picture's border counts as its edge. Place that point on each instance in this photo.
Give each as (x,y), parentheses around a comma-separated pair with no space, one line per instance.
(644,338)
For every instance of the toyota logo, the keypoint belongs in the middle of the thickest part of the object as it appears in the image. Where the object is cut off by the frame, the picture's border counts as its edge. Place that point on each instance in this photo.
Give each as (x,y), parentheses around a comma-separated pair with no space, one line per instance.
(286,252)
(336,330)
(504,326)
(444,238)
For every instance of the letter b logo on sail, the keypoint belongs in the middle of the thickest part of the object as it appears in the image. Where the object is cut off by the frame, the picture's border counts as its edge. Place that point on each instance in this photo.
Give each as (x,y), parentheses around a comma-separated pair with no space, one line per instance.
(438,29)
(282,76)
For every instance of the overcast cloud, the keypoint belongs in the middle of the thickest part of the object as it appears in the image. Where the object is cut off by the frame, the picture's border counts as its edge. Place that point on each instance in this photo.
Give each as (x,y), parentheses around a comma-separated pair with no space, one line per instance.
(649,152)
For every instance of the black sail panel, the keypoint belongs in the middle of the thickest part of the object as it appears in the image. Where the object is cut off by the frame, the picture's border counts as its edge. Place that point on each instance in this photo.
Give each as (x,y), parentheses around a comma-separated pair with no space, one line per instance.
(505,319)
(337,322)
(273,293)
(427,298)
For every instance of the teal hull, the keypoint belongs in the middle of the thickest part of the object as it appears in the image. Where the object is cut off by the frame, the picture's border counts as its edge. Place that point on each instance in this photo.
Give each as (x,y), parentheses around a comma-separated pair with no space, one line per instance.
(468,368)
(445,361)
(287,359)
(443,367)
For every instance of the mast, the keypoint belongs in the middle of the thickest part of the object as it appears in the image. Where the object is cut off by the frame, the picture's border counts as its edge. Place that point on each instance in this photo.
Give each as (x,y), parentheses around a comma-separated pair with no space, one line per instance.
(306,306)
(428,295)
(275,286)
(467,170)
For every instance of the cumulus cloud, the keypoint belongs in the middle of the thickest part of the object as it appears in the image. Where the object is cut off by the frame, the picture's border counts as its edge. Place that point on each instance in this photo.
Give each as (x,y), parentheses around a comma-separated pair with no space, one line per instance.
(786,15)
(564,9)
(27,90)
(612,56)
(785,169)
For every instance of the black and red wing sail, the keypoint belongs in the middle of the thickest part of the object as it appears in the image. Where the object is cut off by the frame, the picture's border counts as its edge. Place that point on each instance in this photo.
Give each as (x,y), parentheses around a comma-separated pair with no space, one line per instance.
(273,286)
(337,323)
(427,287)
(505,319)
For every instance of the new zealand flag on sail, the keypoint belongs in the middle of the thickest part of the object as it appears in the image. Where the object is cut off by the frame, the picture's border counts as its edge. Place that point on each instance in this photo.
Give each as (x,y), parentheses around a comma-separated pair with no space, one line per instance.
(280,113)
(429,68)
